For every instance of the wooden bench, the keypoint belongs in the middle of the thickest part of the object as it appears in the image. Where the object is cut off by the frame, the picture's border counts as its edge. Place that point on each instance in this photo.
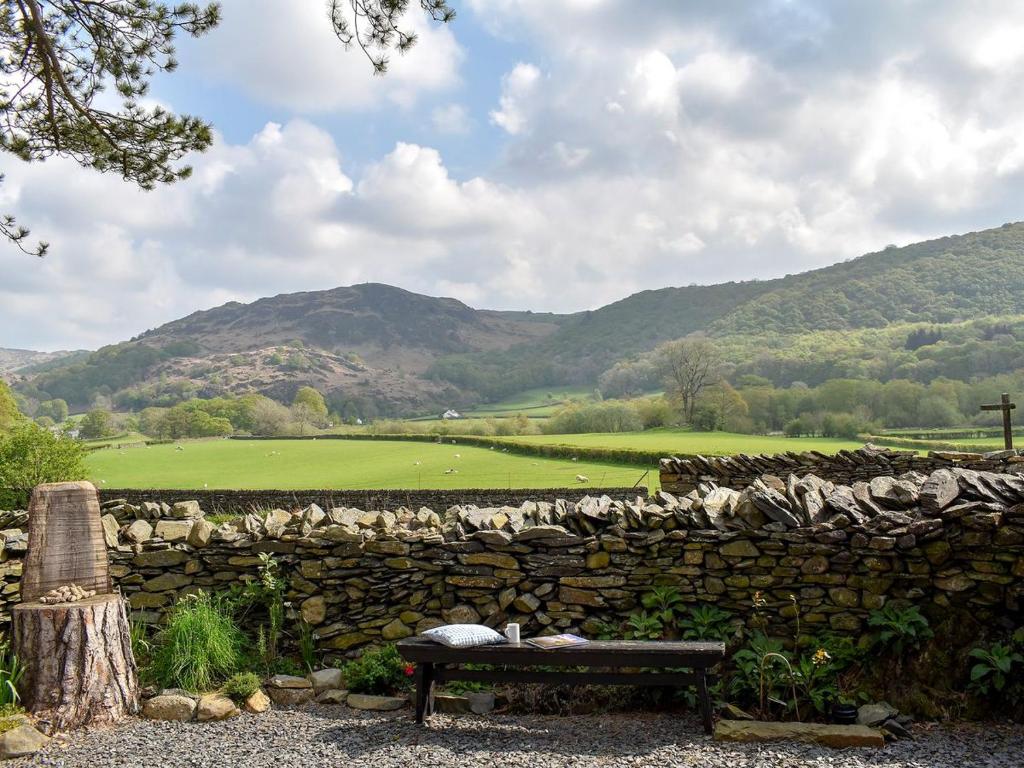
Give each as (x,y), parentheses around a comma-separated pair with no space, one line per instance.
(436,663)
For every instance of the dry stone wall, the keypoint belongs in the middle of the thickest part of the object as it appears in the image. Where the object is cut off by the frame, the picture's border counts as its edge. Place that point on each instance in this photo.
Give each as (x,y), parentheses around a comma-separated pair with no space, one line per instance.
(681,475)
(951,539)
(243,500)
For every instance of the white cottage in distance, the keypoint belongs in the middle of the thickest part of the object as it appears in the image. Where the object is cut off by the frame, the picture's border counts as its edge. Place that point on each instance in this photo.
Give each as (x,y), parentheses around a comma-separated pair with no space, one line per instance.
(451,413)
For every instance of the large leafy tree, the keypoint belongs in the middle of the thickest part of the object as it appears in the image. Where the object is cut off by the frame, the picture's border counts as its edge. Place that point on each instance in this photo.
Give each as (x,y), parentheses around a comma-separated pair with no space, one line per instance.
(58,57)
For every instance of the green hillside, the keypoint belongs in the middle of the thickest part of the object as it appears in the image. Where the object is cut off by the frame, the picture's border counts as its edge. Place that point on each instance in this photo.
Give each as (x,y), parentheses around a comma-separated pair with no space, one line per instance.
(939,281)
(952,307)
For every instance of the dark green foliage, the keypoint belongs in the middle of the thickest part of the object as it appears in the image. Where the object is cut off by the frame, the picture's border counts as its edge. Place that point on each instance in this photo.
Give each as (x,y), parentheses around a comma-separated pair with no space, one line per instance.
(899,629)
(200,646)
(644,626)
(241,685)
(707,622)
(998,671)
(745,681)
(378,671)
(665,602)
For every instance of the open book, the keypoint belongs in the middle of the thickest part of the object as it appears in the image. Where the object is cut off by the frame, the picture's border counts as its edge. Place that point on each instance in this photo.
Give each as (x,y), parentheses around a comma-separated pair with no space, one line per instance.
(557,641)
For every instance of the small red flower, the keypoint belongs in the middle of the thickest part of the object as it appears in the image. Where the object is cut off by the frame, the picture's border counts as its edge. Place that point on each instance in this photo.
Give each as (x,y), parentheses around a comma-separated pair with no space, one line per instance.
(410,670)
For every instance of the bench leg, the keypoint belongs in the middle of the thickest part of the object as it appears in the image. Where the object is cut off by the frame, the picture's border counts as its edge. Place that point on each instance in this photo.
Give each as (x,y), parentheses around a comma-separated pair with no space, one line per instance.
(424,689)
(705,699)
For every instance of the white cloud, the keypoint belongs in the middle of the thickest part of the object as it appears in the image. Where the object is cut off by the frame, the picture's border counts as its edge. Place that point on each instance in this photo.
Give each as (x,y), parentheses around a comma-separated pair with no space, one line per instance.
(452,119)
(283,52)
(517,87)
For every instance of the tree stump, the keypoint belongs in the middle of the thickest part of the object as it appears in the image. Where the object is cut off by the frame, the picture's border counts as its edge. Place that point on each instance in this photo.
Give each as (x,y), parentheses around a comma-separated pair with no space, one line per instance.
(78,661)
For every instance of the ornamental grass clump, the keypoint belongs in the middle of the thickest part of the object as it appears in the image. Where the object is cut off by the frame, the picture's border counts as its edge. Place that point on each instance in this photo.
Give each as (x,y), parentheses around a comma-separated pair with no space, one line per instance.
(241,685)
(200,647)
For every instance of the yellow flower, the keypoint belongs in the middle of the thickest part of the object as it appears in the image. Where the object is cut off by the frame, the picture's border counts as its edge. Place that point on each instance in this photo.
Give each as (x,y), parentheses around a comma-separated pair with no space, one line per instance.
(821,657)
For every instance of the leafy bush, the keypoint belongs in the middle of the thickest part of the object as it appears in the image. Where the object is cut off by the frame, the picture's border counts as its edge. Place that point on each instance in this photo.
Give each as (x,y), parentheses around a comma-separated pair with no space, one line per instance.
(241,685)
(608,416)
(378,671)
(665,602)
(745,683)
(994,671)
(30,455)
(707,622)
(644,626)
(200,646)
(899,629)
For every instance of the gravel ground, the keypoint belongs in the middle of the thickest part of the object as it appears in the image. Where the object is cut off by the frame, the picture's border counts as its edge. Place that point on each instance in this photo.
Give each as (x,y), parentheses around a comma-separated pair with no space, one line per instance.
(341,737)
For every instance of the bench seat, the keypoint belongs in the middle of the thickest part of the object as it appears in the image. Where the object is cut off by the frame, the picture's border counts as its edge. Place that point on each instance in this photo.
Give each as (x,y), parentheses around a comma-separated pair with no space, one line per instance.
(437,664)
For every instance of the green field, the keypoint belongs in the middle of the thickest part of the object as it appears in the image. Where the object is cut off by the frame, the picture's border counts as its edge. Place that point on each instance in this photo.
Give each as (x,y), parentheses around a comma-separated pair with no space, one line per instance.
(342,464)
(533,402)
(678,441)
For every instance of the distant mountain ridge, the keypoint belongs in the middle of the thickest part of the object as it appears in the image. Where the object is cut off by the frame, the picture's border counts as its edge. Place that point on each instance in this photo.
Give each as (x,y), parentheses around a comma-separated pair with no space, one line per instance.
(12,360)
(409,353)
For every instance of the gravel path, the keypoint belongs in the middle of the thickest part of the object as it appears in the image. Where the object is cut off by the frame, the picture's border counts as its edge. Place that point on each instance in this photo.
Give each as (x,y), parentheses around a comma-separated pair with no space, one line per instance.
(340,737)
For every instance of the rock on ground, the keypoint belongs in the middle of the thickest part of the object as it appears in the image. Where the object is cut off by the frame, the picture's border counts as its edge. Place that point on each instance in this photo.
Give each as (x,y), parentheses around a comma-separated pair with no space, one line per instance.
(21,741)
(339,736)
(170,707)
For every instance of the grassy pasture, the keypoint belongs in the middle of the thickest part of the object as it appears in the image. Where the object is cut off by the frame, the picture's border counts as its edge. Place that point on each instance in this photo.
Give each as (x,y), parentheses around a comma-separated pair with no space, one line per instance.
(679,441)
(342,464)
(533,402)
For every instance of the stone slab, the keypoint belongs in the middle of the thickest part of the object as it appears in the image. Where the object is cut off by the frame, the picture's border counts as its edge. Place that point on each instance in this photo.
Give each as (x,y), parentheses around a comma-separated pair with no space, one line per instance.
(827,735)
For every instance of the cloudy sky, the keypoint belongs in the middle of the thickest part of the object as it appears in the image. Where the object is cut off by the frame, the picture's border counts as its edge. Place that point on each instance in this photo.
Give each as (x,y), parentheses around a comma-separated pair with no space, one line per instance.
(536,154)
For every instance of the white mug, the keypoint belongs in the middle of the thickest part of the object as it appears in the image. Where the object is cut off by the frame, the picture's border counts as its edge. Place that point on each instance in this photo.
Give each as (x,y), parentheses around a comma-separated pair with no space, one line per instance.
(512,633)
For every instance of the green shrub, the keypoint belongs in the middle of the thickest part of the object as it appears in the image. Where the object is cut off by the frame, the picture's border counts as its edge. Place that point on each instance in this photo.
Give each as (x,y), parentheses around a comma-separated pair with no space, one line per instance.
(644,626)
(241,685)
(378,671)
(30,455)
(665,602)
(200,647)
(899,629)
(707,622)
(997,669)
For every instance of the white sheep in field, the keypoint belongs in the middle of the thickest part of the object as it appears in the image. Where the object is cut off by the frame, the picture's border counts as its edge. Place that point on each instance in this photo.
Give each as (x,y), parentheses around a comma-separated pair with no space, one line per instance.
(582,479)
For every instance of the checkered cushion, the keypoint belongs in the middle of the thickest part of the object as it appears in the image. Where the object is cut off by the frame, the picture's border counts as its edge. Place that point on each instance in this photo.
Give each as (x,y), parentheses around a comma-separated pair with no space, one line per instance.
(464,635)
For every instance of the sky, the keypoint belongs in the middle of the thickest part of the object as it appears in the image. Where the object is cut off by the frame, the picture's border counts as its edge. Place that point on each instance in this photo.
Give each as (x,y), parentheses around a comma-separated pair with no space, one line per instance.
(553,155)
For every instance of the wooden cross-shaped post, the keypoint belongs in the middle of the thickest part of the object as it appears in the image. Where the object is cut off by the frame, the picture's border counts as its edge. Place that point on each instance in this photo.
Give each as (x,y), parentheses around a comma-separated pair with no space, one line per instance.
(1005,406)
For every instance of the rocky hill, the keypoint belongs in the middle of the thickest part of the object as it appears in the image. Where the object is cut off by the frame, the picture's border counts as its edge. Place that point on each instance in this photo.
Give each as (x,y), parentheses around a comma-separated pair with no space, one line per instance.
(14,360)
(409,353)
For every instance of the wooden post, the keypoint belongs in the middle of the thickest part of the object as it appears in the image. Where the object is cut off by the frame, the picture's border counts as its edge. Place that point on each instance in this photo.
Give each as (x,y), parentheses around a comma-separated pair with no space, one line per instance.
(1005,406)
(77,656)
